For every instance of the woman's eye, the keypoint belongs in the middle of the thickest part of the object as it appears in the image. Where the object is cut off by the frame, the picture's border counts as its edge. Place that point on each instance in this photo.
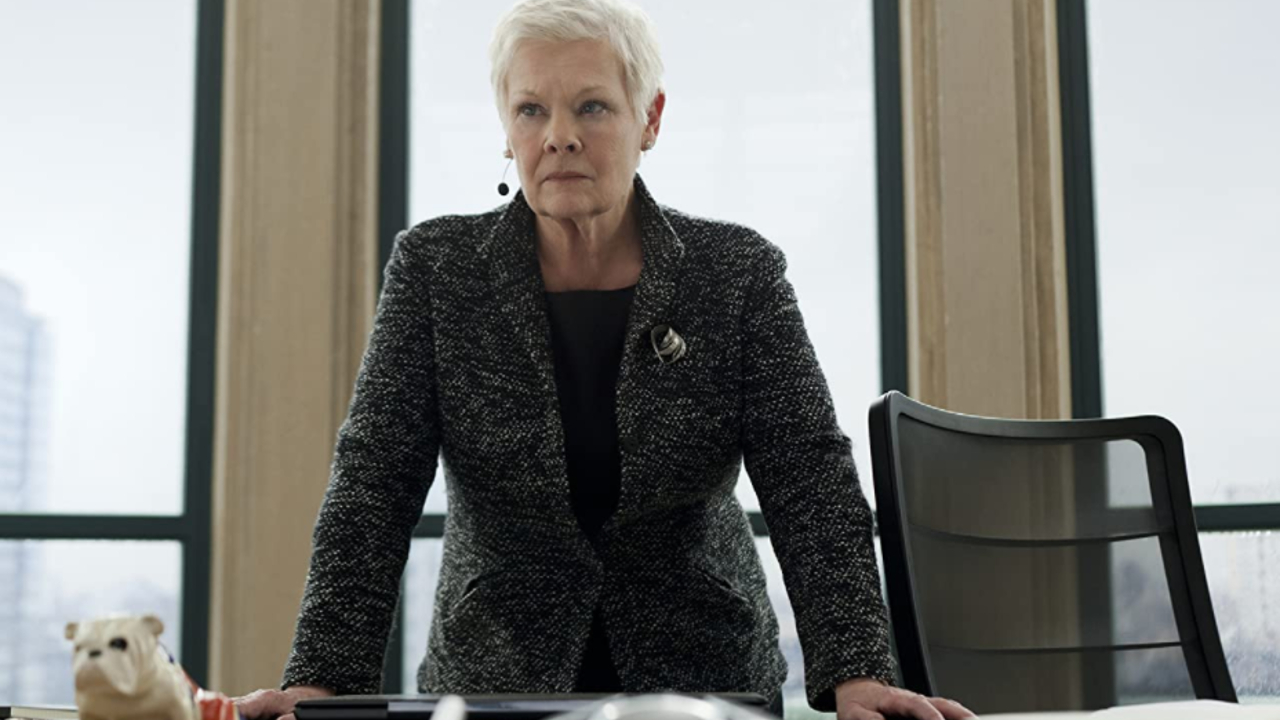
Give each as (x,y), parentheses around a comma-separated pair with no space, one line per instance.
(592,107)
(528,110)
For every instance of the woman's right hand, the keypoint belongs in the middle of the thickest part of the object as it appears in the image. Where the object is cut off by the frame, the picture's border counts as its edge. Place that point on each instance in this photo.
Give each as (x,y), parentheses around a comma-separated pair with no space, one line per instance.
(270,703)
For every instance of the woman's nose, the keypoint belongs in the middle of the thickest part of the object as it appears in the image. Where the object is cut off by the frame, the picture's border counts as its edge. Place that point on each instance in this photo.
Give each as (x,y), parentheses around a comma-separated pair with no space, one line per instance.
(562,138)
(555,145)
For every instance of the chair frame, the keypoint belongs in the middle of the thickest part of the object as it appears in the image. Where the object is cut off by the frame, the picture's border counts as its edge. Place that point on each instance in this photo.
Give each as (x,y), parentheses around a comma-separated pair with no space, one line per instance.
(1167,472)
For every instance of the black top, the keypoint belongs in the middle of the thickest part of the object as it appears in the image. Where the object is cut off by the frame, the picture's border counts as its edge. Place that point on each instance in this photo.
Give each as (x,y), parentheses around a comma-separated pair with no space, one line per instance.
(587,331)
(588,328)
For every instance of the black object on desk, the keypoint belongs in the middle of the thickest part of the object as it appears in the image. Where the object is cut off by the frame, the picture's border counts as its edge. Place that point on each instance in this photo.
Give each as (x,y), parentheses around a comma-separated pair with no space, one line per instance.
(479,707)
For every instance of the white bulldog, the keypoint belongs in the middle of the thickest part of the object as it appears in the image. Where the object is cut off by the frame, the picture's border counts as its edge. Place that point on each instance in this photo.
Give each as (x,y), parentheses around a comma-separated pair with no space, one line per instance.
(122,672)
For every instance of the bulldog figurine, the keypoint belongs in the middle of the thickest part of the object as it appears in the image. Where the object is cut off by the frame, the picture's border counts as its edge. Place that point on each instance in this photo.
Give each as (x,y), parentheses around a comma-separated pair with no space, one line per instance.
(122,672)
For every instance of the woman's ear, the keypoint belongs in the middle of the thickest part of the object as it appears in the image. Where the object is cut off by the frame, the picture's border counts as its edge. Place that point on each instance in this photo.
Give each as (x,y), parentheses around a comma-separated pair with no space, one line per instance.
(654,122)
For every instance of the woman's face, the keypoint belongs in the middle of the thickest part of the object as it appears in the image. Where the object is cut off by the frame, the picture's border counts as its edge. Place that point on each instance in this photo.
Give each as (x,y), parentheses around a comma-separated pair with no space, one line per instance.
(575,136)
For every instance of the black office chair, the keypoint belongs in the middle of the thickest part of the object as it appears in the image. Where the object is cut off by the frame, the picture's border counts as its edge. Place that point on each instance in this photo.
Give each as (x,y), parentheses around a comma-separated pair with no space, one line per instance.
(1042,565)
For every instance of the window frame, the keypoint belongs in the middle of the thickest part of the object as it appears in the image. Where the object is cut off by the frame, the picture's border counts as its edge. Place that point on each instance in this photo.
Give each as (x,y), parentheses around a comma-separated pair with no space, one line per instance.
(192,528)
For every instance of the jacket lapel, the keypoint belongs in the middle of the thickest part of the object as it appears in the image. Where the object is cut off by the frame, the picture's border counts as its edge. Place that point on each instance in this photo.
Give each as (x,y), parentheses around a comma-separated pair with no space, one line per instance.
(518,287)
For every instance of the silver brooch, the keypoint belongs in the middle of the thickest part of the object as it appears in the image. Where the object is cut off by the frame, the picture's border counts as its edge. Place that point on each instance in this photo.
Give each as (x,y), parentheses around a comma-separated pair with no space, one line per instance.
(667,344)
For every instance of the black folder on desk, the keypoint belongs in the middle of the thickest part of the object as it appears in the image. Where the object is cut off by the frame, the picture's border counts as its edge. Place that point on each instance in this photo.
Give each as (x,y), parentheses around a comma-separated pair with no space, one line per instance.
(39,712)
(479,707)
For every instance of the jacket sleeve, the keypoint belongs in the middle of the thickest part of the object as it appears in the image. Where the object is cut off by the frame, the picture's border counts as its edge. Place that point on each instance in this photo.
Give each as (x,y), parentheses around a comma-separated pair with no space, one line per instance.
(801,465)
(383,464)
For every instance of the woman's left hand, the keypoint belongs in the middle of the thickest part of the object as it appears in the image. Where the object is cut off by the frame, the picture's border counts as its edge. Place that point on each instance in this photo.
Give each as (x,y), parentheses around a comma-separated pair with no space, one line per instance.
(867,699)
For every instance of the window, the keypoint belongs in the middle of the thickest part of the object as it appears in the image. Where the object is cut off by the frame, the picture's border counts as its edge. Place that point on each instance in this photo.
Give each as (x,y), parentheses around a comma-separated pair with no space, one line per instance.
(421,573)
(96,193)
(106,326)
(64,581)
(1184,152)
(781,141)
(1244,580)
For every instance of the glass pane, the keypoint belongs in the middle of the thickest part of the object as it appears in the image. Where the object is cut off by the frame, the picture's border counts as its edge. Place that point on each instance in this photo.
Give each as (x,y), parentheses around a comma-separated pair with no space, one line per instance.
(436,501)
(793,696)
(1244,580)
(1184,167)
(421,573)
(46,584)
(781,141)
(95,216)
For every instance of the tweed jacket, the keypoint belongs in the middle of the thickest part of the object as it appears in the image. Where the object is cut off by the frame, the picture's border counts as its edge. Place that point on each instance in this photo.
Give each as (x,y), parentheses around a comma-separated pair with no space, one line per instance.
(459,367)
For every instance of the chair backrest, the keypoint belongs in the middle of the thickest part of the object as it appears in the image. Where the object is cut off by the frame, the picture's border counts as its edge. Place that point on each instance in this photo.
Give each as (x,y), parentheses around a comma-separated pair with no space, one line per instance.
(1042,565)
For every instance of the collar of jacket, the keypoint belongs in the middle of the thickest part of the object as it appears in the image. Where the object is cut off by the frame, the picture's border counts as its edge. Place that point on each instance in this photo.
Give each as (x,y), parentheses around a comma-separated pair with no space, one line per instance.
(511,249)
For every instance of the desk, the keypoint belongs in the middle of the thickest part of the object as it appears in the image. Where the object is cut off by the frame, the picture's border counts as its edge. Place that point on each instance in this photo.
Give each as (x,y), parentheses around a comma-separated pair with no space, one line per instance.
(1192,710)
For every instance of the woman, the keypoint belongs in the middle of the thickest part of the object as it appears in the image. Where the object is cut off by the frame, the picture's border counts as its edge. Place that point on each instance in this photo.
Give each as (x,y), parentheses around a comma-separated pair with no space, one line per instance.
(592,368)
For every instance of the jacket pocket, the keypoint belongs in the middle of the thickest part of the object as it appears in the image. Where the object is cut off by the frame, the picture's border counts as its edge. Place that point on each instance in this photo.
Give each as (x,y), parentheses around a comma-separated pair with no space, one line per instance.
(723,586)
(476,587)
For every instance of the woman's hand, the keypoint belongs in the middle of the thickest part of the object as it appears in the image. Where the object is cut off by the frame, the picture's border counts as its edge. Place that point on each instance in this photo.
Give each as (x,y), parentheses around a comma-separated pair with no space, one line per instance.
(867,699)
(277,703)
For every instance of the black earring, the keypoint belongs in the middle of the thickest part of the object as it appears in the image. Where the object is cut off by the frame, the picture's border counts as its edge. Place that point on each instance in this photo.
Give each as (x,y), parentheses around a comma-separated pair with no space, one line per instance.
(502,186)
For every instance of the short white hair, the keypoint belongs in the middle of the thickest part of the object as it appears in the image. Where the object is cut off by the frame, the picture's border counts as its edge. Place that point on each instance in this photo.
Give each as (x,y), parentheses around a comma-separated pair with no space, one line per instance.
(625,26)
